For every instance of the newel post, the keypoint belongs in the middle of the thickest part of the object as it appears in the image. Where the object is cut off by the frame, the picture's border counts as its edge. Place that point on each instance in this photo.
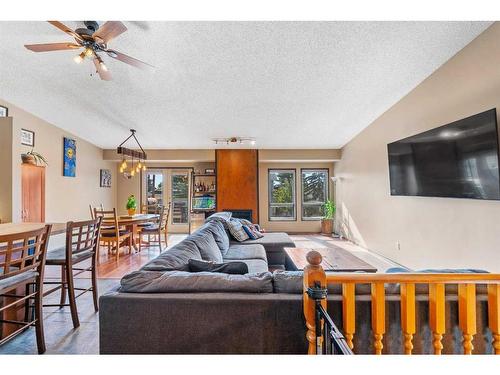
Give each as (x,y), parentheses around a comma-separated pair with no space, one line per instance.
(314,275)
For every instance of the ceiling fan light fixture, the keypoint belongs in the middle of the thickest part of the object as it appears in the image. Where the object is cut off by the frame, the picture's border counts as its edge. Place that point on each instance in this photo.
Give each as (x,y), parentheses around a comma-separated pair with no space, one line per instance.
(89,52)
(79,58)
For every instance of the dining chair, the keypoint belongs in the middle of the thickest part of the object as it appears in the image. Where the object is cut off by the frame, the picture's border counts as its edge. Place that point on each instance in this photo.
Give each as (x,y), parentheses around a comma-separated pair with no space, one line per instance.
(157,229)
(92,210)
(22,262)
(111,234)
(82,244)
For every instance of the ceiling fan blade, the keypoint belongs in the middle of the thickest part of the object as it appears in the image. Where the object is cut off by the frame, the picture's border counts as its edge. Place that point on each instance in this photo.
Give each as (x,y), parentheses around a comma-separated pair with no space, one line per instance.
(65,28)
(109,30)
(104,74)
(129,60)
(51,47)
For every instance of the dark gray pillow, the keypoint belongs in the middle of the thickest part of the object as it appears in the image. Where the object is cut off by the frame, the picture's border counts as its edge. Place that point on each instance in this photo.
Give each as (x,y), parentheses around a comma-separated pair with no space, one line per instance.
(232,268)
(201,282)
(175,258)
(207,246)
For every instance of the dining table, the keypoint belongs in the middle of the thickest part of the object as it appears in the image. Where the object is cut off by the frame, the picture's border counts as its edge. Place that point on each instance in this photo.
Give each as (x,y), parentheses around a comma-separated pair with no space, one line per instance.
(131,222)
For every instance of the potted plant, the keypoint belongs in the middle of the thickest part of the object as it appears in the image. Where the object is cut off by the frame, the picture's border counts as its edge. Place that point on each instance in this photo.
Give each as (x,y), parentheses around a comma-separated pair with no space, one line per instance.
(34,158)
(131,205)
(327,220)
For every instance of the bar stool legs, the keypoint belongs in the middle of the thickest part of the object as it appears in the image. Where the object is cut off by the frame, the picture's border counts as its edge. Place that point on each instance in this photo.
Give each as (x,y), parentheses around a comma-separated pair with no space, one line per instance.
(40,338)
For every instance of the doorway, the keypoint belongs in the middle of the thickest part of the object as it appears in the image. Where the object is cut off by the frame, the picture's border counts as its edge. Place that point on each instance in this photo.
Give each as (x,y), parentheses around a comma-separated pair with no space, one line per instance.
(164,185)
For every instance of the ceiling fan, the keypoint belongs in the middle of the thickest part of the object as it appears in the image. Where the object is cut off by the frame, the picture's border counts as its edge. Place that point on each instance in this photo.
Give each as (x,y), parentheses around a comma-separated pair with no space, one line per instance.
(94,39)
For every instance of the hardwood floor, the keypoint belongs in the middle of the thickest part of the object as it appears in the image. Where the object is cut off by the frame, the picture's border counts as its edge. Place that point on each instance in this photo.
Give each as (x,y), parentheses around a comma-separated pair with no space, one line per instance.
(60,336)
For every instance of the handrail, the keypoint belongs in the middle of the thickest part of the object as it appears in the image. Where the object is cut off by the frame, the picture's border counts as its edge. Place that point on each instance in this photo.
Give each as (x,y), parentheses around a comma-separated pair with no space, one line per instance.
(417,278)
(315,275)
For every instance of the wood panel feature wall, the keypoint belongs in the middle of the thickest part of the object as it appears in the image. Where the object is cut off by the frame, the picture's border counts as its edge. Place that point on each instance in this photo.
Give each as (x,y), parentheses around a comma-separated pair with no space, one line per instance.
(238,181)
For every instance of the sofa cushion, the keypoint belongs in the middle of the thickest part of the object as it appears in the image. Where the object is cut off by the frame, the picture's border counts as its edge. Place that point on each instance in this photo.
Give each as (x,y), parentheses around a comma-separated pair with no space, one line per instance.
(175,258)
(242,252)
(219,232)
(272,242)
(202,282)
(205,241)
(221,216)
(255,265)
(233,268)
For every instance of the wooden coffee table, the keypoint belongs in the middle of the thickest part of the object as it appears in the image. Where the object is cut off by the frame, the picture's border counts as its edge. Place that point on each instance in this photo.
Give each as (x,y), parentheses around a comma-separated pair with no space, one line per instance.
(334,259)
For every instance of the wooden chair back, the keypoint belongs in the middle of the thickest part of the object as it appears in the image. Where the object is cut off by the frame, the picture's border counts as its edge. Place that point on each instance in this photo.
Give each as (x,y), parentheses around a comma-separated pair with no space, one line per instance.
(150,208)
(166,215)
(82,236)
(25,251)
(92,216)
(109,218)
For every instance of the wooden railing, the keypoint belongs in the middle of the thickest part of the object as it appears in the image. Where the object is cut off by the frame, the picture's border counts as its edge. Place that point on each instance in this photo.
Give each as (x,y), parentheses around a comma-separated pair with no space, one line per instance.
(314,275)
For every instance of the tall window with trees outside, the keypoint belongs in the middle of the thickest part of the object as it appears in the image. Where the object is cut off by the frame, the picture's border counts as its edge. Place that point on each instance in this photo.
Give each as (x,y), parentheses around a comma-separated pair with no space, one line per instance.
(282,195)
(314,193)
(180,198)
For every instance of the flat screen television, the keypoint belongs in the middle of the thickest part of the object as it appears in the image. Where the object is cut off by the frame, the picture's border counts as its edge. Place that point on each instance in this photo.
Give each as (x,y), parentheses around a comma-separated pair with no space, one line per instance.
(458,160)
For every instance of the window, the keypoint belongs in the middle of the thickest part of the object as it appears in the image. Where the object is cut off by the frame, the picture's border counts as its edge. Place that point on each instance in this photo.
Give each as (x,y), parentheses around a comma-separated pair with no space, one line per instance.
(281,194)
(314,193)
(180,198)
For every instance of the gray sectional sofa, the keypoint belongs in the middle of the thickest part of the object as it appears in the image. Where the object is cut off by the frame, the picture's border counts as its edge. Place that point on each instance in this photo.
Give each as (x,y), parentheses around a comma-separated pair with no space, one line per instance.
(164,309)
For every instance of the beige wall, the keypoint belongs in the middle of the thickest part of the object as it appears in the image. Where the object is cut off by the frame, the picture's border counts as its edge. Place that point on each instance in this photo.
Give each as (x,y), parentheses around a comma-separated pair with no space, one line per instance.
(432,232)
(66,197)
(288,226)
(6,168)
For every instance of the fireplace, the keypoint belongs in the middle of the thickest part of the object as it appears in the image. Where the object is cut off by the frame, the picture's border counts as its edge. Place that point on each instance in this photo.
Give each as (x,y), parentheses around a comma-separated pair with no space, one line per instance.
(241,214)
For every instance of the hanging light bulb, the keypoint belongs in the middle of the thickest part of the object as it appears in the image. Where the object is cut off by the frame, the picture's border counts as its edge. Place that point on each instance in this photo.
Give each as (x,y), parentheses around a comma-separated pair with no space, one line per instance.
(79,58)
(121,169)
(132,172)
(139,165)
(88,52)
(124,164)
(144,167)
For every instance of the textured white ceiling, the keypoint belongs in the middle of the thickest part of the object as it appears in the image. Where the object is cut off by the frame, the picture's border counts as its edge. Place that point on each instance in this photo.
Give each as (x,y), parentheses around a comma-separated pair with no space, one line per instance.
(288,84)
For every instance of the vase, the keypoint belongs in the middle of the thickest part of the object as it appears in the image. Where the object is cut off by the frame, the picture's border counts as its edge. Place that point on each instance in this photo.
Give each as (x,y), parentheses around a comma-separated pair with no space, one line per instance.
(131,211)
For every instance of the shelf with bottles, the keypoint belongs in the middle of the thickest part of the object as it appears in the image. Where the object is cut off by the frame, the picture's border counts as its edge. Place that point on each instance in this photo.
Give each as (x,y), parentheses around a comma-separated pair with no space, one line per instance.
(202,187)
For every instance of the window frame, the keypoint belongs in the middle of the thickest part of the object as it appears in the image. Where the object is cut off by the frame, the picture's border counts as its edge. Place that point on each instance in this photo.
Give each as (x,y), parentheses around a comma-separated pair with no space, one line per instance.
(302,204)
(294,194)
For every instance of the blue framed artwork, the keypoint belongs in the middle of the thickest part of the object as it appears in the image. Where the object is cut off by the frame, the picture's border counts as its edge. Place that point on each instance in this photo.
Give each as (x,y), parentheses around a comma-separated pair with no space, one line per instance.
(69,158)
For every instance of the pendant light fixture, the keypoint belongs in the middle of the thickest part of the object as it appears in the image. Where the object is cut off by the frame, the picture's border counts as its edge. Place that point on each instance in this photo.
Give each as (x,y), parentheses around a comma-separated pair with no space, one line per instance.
(130,168)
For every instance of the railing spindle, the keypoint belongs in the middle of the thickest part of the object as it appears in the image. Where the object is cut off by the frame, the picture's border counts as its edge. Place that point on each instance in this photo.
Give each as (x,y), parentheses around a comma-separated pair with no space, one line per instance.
(408,315)
(313,273)
(349,312)
(437,315)
(467,314)
(494,315)
(378,315)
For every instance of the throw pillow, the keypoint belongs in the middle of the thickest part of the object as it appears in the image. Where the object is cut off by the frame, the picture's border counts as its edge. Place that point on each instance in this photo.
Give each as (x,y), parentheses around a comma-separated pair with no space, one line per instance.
(236,229)
(232,268)
(252,233)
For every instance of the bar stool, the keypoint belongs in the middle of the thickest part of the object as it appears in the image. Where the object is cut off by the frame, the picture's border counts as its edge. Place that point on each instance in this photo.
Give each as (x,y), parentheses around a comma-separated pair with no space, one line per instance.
(82,243)
(22,262)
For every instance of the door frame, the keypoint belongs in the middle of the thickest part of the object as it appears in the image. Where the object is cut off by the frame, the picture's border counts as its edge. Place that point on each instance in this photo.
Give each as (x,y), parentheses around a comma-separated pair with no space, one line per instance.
(167,180)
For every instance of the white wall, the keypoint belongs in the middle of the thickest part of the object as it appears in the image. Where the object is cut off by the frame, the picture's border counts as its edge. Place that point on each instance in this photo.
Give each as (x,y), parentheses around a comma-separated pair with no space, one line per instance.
(432,232)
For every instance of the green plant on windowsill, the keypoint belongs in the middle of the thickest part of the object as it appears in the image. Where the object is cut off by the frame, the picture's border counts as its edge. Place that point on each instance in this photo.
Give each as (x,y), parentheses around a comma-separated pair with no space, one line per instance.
(131,205)
(327,220)
(34,158)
